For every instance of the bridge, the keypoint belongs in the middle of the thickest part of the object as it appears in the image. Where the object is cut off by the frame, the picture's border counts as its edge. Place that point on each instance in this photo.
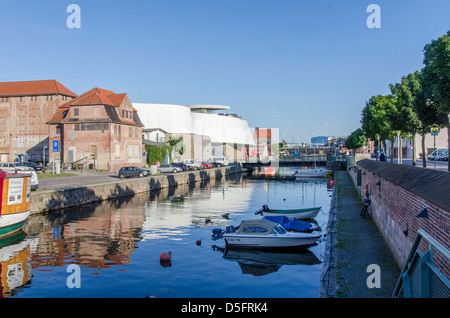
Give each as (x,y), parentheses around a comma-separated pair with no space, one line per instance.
(297,161)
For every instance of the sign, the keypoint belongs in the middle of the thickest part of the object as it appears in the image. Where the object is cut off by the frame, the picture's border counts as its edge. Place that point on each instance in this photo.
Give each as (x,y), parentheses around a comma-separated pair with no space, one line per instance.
(434,131)
(15,191)
(55,145)
(143,154)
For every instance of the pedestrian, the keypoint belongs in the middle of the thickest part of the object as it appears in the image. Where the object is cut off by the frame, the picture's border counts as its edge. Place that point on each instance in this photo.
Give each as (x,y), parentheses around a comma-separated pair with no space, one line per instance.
(382,156)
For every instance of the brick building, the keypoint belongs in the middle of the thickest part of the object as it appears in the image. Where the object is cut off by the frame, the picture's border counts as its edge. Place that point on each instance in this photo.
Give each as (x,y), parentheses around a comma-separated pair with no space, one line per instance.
(99,128)
(25,108)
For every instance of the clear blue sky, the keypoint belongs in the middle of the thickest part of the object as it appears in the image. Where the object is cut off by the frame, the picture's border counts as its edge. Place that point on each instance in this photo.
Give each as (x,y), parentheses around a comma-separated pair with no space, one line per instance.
(302,66)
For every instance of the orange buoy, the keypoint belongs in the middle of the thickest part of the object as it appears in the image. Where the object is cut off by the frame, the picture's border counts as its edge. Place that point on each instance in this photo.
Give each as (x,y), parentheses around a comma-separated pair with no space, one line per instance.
(331,183)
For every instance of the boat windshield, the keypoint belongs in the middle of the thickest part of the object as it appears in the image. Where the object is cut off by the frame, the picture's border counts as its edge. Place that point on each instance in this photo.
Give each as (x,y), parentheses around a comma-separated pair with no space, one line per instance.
(279,230)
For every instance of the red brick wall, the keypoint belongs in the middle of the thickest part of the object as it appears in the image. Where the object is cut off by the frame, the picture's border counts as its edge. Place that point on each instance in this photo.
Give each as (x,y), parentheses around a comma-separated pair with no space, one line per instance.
(394,209)
(23,123)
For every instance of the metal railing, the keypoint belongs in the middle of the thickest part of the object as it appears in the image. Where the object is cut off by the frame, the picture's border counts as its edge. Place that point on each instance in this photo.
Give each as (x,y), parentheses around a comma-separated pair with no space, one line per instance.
(419,277)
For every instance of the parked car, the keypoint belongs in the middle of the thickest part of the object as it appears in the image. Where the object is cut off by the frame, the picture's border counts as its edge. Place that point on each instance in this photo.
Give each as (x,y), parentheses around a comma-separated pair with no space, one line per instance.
(215,163)
(169,168)
(442,156)
(207,165)
(183,166)
(32,165)
(194,163)
(133,171)
(11,167)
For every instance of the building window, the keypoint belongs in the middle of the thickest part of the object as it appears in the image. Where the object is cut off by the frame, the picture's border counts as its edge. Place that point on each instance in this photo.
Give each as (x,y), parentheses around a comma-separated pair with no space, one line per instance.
(123,113)
(135,133)
(130,132)
(115,130)
(58,130)
(76,112)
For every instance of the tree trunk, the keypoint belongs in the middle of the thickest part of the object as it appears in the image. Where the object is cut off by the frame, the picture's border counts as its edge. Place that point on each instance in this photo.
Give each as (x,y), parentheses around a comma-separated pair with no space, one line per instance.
(392,149)
(424,152)
(399,148)
(448,142)
(414,150)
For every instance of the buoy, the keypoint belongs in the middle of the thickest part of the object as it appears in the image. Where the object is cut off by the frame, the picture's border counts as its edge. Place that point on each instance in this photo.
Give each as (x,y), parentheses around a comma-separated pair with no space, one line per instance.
(199,242)
(226,215)
(165,259)
(331,183)
(207,220)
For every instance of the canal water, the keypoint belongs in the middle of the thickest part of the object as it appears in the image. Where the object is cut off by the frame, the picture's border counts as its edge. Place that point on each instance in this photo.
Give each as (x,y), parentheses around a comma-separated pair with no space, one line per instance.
(117,245)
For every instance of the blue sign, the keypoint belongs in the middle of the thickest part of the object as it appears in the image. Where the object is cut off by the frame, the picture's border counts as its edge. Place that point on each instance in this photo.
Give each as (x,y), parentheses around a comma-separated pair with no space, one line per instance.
(55,145)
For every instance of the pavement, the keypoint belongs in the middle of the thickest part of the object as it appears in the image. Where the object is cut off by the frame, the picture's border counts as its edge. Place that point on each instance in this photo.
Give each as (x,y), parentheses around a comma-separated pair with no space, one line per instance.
(80,179)
(354,243)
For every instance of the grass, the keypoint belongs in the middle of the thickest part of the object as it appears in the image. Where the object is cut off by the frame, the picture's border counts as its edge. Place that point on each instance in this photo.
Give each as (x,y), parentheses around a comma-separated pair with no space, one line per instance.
(51,175)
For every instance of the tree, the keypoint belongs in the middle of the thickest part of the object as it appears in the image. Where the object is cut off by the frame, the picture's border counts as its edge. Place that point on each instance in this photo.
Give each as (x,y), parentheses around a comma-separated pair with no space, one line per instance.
(405,118)
(436,79)
(356,139)
(376,118)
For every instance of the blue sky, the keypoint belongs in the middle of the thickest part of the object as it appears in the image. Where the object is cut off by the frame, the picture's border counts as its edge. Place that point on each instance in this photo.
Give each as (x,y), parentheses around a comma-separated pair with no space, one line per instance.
(306,67)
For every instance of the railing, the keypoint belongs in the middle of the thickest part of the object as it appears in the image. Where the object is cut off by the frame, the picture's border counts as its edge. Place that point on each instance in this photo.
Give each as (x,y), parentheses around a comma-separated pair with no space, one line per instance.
(420,278)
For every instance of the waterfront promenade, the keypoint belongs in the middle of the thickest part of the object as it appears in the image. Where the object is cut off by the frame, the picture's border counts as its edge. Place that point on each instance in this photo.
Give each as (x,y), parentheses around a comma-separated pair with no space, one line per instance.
(357,243)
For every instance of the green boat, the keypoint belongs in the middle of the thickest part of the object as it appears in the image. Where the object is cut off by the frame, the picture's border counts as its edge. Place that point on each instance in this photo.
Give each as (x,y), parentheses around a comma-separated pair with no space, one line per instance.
(308,213)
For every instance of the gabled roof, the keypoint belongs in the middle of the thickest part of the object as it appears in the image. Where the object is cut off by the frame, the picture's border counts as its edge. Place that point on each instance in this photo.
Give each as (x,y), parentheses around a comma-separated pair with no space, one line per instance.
(96,96)
(33,88)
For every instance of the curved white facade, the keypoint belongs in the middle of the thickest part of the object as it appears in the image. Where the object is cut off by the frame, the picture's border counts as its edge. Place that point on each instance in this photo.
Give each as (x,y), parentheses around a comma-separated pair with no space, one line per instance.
(178,119)
(175,119)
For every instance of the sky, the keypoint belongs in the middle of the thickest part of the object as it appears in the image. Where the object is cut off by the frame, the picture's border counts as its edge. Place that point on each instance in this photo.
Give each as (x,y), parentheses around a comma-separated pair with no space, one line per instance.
(306,67)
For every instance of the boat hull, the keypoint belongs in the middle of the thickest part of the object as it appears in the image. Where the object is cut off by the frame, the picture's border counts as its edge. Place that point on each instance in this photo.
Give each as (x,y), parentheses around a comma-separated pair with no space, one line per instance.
(298,214)
(11,223)
(288,240)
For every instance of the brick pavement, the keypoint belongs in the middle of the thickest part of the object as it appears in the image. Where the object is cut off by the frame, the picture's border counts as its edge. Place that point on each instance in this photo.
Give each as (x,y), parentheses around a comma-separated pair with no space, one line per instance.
(358,244)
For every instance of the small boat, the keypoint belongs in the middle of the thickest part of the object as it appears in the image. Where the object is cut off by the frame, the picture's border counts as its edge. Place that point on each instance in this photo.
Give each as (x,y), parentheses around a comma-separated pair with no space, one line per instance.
(15,192)
(311,173)
(308,213)
(262,233)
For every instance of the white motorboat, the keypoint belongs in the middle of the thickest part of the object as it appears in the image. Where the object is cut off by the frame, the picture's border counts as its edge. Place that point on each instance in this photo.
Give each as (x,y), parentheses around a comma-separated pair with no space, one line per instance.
(262,233)
(308,213)
(311,173)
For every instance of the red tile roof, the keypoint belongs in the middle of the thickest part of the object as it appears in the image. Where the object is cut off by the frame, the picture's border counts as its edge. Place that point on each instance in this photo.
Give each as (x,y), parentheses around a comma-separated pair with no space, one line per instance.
(32,88)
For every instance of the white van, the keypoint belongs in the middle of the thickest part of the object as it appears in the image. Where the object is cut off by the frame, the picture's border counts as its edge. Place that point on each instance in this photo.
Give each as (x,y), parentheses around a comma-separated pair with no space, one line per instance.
(10,167)
(193,163)
(437,154)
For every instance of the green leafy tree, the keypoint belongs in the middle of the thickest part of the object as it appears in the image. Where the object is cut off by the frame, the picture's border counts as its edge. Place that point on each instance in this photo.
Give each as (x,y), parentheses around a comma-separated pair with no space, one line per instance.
(376,118)
(356,140)
(405,117)
(436,79)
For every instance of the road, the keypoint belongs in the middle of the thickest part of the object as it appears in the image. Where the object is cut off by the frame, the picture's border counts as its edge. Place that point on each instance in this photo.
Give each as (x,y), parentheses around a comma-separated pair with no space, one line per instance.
(440,165)
(81,179)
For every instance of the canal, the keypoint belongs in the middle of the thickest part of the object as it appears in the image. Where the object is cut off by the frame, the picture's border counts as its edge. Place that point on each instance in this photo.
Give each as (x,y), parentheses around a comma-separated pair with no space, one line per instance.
(117,245)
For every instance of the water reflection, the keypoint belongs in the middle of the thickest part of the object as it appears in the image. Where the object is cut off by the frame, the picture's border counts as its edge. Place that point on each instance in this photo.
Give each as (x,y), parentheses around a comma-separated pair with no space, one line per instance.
(260,263)
(127,234)
(15,266)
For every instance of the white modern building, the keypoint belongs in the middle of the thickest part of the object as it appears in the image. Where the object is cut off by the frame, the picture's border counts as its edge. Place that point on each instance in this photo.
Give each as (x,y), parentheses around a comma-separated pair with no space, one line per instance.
(207,131)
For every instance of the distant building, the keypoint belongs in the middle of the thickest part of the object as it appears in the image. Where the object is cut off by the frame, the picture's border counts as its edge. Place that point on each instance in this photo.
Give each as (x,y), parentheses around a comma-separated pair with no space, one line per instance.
(99,128)
(263,140)
(206,132)
(320,140)
(25,108)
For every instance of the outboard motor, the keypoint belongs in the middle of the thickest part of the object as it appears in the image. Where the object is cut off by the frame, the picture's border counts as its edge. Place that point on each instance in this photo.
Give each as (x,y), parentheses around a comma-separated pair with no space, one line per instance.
(217,233)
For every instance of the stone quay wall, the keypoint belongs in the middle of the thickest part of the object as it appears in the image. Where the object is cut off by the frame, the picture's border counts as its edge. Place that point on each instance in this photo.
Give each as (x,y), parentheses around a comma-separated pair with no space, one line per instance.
(399,196)
(44,201)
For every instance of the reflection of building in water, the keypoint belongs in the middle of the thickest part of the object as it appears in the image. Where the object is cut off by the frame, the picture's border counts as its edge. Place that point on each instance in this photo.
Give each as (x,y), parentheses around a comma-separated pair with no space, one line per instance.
(106,237)
(15,269)
(164,218)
